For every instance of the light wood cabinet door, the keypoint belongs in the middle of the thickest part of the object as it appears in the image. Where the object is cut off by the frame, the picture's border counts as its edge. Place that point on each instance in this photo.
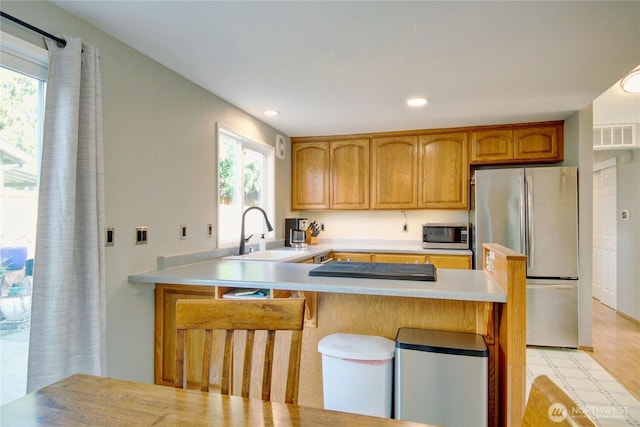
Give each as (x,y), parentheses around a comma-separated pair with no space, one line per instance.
(460,262)
(394,172)
(310,175)
(351,257)
(489,146)
(444,171)
(543,143)
(539,143)
(349,166)
(400,258)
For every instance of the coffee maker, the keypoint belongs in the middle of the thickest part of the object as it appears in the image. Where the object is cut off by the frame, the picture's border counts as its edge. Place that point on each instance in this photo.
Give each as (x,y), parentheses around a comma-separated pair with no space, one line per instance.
(294,232)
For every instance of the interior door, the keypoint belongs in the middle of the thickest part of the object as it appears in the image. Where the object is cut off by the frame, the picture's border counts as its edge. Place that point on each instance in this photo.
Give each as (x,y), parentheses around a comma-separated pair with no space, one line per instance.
(596,275)
(605,235)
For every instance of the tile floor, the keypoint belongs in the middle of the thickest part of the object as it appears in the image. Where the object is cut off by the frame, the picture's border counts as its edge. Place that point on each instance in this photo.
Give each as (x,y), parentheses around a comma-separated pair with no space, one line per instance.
(593,388)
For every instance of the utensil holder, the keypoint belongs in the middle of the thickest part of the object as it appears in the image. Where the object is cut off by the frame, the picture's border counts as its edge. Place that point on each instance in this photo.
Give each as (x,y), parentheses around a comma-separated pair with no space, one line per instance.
(311,240)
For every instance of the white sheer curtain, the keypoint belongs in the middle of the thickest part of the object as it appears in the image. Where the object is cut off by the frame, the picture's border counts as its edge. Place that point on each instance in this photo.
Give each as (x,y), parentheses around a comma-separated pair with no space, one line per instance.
(68,327)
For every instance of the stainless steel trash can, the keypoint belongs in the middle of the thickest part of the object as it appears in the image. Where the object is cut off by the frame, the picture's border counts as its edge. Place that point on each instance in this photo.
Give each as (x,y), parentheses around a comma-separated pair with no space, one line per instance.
(441,378)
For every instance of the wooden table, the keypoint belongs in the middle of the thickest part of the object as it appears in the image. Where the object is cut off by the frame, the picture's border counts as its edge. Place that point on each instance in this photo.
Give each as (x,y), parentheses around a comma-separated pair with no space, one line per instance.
(83,400)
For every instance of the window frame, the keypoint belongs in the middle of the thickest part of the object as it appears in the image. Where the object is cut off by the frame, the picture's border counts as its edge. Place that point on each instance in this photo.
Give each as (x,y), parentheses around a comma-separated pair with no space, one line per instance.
(268,182)
(31,60)
(24,57)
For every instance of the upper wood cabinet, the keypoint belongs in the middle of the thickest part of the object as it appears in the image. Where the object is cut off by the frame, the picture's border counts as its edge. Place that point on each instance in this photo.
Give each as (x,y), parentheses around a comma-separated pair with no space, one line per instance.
(349,174)
(491,145)
(394,172)
(421,169)
(310,175)
(444,171)
(518,144)
(330,175)
(538,143)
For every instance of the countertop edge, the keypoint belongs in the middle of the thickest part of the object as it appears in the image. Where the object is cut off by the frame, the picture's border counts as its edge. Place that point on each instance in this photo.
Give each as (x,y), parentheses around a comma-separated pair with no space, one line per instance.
(263,274)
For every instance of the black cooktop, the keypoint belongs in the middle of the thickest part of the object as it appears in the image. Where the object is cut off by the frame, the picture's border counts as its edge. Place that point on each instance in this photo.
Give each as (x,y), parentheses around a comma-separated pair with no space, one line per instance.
(377,270)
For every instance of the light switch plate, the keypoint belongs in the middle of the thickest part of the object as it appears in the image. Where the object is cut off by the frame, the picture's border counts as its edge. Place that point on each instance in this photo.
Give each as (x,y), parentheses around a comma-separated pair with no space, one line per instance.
(110,236)
(142,234)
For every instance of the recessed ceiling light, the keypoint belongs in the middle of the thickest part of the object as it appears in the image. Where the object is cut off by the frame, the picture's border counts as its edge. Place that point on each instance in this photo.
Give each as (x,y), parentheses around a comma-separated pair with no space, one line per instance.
(271,113)
(416,102)
(631,83)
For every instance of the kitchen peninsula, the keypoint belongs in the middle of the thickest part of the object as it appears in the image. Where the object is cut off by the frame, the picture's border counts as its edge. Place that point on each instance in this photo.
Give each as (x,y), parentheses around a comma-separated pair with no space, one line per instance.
(490,303)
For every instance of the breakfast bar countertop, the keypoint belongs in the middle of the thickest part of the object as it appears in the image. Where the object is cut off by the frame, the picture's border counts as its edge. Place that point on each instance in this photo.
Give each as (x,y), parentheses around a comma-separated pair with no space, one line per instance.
(463,285)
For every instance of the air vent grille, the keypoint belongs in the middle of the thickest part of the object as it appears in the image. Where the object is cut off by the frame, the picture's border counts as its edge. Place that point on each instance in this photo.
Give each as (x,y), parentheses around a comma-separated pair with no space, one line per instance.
(612,137)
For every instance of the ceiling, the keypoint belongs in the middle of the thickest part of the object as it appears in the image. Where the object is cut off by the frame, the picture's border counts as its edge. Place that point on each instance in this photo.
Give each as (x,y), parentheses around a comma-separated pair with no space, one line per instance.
(348,67)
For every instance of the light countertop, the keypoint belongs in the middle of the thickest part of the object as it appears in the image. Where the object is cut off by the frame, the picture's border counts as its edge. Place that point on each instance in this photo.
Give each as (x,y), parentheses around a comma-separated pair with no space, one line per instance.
(469,285)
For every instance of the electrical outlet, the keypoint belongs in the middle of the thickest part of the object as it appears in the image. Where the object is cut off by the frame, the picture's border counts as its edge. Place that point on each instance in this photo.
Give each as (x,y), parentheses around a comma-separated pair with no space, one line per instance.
(110,236)
(322,226)
(142,235)
(183,232)
(209,230)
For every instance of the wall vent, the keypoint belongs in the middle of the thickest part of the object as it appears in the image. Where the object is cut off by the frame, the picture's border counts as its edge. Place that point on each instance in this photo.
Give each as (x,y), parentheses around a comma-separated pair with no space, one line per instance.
(615,137)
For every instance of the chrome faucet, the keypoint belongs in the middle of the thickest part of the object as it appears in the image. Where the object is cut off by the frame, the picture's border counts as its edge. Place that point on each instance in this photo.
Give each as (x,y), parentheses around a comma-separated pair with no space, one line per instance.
(242,239)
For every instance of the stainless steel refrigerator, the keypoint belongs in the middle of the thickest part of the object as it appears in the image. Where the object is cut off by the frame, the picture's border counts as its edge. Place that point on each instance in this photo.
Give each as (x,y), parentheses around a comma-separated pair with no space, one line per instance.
(535,211)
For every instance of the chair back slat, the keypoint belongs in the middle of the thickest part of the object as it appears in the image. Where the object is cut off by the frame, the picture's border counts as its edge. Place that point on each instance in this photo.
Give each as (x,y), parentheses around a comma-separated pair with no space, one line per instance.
(227,366)
(294,360)
(206,360)
(180,346)
(268,315)
(247,365)
(268,366)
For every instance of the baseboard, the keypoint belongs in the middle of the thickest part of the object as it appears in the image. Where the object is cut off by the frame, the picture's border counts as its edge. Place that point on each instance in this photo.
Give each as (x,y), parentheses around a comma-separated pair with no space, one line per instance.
(626,316)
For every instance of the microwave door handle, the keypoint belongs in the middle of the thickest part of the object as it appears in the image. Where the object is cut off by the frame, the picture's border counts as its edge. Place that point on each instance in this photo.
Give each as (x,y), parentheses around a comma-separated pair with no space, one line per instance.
(530,242)
(523,219)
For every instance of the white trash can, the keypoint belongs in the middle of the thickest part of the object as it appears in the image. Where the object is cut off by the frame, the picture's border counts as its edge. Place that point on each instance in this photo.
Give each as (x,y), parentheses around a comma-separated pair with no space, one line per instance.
(357,373)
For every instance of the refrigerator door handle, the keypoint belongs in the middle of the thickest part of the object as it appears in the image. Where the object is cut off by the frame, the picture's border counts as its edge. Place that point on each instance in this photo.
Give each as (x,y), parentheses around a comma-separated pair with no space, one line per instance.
(523,219)
(530,240)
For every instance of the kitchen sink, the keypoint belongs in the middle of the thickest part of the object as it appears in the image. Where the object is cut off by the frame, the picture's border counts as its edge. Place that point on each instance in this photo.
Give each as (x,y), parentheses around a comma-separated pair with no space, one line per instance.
(273,255)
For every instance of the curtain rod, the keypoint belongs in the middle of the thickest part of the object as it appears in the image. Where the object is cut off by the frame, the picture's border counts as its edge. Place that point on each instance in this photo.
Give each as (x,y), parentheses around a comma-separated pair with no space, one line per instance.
(34,29)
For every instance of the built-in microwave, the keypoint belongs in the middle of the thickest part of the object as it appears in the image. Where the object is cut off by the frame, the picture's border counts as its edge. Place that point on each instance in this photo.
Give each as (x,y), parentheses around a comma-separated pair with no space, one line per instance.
(452,235)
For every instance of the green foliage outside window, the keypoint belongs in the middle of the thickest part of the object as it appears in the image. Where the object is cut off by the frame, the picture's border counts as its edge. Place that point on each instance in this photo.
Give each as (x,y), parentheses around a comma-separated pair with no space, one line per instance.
(19,110)
(252,174)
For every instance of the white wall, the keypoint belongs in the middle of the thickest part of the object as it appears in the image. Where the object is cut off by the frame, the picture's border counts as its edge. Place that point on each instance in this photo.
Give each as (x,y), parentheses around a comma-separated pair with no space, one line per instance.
(615,107)
(160,171)
(578,137)
(378,224)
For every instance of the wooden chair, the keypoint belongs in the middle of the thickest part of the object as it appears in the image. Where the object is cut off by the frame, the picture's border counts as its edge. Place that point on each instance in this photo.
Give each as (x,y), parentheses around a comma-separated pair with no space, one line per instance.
(248,315)
(549,405)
